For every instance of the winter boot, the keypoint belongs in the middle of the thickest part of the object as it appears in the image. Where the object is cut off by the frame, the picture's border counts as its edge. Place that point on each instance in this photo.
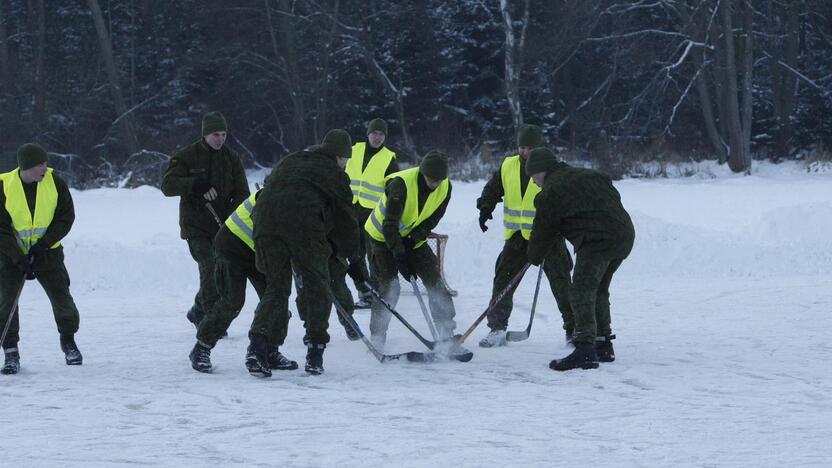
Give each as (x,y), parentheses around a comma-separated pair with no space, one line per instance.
(195,315)
(583,357)
(71,353)
(277,361)
(12,365)
(257,356)
(494,339)
(603,347)
(365,300)
(315,358)
(201,358)
(447,348)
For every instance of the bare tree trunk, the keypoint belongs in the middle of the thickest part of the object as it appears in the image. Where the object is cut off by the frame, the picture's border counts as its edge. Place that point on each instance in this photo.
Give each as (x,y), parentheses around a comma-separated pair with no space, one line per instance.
(514,60)
(285,37)
(701,35)
(736,155)
(322,93)
(37,27)
(5,68)
(123,119)
(784,82)
(747,78)
(398,97)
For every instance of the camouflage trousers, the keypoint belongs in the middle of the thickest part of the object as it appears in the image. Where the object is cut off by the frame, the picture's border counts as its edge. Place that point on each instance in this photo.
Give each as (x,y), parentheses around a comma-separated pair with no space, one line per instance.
(55,281)
(202,251)
(385,273)
(590,296)
(557,266)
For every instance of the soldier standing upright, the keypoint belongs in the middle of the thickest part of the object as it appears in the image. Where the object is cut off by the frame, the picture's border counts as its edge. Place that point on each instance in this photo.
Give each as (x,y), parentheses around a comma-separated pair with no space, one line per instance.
(205,175)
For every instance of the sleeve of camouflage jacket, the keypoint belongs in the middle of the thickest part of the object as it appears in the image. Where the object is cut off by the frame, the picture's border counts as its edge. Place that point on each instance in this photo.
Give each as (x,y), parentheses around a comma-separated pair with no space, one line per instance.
(344,235)
(420,232)
(545,230)
(241,191)
(176,181)
(396,192)
(8,243)
(492,193)
(64,215)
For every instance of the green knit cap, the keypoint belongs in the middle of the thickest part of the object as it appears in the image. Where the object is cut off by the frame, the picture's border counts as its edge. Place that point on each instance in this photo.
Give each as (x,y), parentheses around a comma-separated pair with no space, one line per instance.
(30,155)
(337,142)
(377,124)
(435,165)
(530,135)
(540,160)
(213,122)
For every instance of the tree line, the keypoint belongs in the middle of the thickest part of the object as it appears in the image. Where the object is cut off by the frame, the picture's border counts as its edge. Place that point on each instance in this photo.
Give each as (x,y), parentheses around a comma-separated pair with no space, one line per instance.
(112,88)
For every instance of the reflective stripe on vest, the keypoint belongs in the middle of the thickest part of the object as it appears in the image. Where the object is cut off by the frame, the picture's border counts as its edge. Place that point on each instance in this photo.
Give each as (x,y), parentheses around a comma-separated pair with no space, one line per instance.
(518,208)
(29,229)
(240,222)
(368,185)
(411,217)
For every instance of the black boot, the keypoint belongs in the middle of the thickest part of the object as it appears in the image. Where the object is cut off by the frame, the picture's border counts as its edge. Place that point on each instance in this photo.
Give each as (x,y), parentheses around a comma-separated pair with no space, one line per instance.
(201,358)
(71,352)
(12,365)
(583,357)
(277,361)
(195,315)
(315,358)
(257,356)
(603,347)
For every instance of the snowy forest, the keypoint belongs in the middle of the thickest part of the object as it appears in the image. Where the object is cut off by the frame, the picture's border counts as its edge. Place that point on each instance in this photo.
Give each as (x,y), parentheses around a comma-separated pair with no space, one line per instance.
(113,87)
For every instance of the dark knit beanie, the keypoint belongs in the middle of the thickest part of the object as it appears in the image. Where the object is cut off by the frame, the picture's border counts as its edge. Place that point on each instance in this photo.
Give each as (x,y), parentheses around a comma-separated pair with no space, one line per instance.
(377,124)
(540,160)
(530,135)
(30,155)
(213,122)
(338,143)
(435,165)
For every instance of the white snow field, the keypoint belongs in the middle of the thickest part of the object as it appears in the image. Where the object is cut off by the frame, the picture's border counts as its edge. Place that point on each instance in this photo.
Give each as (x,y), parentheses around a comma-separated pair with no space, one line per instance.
(723,314)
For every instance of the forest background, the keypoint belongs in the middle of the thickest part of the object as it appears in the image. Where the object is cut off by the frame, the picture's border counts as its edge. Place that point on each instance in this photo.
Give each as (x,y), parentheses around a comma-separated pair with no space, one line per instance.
(113,87)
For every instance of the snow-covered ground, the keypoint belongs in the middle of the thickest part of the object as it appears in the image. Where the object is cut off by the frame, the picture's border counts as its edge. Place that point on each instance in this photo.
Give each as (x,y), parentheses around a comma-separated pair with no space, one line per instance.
(723,314)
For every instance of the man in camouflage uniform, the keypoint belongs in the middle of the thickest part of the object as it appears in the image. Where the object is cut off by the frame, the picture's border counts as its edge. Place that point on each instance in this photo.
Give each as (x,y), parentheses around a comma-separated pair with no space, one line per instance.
(583,206)
(205,173)
(413,203)
(305,205)
(37,212)
(511,185)
(370,163)
(235,263)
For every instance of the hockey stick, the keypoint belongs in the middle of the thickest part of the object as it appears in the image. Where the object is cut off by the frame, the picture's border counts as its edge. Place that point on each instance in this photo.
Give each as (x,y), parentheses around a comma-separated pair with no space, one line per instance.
(425,312)
(382,358)
(377,295)
(524,335)
(13,310)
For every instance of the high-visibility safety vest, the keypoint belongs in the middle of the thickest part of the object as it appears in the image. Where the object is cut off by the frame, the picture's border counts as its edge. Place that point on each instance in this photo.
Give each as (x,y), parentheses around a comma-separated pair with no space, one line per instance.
(368,184)
(518,207)
(29,229)
(411,217)
(240,222)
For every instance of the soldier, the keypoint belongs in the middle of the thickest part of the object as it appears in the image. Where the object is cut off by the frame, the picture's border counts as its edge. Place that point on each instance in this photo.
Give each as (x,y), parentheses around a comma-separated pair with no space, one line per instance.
(414,201)
(304,206)
(205,174)
(370,163)
(583,206)
(511,185)
(37,213)
(235,263)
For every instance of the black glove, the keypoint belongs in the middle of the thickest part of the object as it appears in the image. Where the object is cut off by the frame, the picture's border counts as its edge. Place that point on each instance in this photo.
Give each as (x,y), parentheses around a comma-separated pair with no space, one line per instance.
(409,243)
(25,266)
(403,265)
(201,186)
(37,249)
(485,215)
(356,272)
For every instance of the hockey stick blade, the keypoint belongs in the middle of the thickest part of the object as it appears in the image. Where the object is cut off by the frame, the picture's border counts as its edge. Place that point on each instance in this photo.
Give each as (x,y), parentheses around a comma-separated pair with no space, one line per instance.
(517,336)
(415,356)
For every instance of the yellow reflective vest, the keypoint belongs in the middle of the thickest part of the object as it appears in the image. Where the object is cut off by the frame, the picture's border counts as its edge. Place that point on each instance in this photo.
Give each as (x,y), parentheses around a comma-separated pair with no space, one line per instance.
(518,207)
(240,222)
(411,217)
(29,229)
(368,184)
